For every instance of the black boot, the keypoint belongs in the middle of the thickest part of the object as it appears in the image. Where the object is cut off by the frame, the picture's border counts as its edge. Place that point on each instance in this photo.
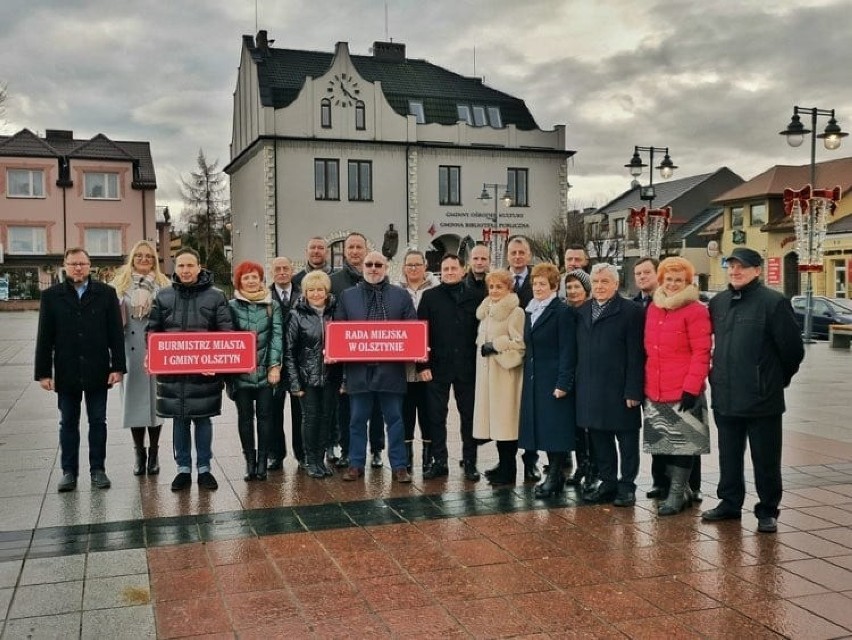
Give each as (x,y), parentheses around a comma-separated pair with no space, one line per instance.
(426,455)
(141,461)
(437,469)
(261,465)
(251,465)
(680,496)
(409,455)
(471,473)
(153,460)
(555,481)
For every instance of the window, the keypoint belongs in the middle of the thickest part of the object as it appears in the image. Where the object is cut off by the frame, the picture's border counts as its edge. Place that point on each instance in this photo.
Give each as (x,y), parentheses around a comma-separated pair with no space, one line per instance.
(103,186)
(103,242)
(25,183)
(479,116)
(27,240)
(360,116)
(619,227)
(464,113)
(494,117)
(326,183)
(517,182)
(758,214)
(449,185)
(325,113)
(736,217)
(415,108)
(360,180)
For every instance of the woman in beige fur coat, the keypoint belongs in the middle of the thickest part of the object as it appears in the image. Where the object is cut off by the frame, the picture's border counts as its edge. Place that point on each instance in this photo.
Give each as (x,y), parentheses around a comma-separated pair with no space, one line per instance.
(499,365)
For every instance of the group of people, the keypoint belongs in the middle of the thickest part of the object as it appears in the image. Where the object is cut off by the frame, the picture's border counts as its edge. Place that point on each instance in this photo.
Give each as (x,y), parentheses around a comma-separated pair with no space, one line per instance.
(538,361)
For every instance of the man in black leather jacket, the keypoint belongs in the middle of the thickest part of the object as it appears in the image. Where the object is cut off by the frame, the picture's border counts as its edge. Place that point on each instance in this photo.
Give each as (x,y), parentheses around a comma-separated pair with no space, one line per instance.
(758,349)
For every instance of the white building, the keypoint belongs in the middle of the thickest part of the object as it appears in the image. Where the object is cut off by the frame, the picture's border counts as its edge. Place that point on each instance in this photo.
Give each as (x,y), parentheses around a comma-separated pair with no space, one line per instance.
(325,143)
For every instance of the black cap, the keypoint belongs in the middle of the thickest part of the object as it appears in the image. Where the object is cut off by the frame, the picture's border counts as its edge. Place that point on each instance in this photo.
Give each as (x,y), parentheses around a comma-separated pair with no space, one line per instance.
(748,257)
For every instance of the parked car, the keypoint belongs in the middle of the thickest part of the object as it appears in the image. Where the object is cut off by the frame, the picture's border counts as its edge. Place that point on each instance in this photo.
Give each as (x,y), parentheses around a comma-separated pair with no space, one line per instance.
(826,311)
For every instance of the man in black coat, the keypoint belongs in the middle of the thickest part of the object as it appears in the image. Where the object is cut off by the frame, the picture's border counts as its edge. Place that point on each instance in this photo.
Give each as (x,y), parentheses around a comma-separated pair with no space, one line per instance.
(610,385)
(316,259)
(349,275)
(80,352)
(450,310)
(480,263)
(758,350)
(285,292)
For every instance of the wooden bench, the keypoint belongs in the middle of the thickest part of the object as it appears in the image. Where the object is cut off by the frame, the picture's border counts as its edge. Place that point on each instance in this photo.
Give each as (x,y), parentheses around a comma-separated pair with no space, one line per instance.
(839,335)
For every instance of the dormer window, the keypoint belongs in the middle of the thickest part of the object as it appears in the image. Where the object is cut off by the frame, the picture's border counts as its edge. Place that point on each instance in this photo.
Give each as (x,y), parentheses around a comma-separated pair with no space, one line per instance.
(464,113)
(415,108)
(479,119)
(494,117)
(480,115)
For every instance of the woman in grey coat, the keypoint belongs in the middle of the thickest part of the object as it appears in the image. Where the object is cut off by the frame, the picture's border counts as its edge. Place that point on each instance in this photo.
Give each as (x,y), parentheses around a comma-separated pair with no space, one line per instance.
(136,284)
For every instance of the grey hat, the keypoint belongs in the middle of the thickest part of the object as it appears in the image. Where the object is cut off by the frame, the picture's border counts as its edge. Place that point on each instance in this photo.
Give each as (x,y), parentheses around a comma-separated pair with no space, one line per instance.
(747,257)
(582,277)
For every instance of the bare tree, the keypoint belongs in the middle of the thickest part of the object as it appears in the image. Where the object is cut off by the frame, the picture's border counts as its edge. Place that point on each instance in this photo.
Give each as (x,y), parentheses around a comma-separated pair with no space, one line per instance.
(564,231)
(4,95)
(603,245)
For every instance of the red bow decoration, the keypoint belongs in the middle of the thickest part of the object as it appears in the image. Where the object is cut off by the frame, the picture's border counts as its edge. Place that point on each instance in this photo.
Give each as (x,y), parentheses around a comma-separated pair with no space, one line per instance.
(665,213)
(832,195)
(636,217)
(801,196)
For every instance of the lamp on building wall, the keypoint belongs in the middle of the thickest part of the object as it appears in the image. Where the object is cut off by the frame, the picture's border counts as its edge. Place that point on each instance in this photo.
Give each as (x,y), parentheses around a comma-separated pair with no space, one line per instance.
(494,236)
(666,168)
(808,237)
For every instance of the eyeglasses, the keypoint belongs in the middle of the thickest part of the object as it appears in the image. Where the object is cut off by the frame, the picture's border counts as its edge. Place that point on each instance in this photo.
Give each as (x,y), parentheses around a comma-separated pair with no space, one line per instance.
(374,265)
(415,264)
(143,256)
(77,264)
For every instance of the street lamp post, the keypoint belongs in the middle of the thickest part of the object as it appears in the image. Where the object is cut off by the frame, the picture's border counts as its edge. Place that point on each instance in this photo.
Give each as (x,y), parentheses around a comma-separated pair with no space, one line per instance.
(650,224)
(493,235)
(831,137)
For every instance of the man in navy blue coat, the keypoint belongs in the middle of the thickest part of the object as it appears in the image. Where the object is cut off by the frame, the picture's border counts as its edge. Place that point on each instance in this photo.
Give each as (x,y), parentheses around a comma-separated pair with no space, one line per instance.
(375,299)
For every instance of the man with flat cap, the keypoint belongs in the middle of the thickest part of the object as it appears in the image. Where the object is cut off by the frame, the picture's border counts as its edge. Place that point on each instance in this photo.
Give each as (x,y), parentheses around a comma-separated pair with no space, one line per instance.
(758,349)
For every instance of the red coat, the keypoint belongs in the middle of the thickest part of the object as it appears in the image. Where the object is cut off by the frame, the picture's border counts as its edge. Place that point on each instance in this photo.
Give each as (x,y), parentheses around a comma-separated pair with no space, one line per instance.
(677,346)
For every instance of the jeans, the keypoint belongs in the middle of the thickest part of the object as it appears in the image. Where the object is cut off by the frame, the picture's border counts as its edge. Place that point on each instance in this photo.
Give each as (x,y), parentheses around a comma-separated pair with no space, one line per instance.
(250,402)
(414,411)
(361,406)
(319,406)
(182,441)
(608,447)
(277,439)
(69,429)
(764,441)
(344,418)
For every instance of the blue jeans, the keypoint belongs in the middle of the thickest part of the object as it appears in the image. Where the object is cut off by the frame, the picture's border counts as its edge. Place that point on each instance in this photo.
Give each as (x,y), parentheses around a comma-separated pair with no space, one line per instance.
(182,441)
(361,407)
(69,429)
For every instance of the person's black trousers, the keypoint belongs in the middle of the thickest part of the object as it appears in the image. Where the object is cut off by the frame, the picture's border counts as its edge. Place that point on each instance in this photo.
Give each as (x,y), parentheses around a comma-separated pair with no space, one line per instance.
(414,411)
(610,446)
(763,435)
(319,409)
(437,404)
(277,437)
(253,406)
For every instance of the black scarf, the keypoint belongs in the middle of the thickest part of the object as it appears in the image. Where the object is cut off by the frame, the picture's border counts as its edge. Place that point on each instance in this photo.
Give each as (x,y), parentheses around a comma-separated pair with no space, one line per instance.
(374,298)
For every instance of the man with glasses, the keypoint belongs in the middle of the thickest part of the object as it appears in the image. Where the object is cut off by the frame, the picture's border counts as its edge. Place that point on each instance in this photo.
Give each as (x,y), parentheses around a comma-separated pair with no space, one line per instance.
(370,383)
(80,353)
(416,280)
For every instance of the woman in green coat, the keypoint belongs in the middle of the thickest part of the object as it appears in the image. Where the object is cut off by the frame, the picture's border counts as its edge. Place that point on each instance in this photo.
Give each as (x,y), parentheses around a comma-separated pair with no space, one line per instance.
(253,309)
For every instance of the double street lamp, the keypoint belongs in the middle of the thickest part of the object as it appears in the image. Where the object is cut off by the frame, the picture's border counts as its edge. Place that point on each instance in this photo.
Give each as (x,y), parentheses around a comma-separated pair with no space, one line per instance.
(666,168)
(506,199)
(810,254)
(650,223)
(495,237)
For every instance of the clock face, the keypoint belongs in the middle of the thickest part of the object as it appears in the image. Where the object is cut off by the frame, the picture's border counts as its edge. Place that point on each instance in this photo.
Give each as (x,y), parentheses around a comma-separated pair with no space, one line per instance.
(343,90)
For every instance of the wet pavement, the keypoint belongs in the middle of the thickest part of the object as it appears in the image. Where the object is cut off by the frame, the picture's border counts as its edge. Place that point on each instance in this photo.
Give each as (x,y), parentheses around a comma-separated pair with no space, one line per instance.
(297,557)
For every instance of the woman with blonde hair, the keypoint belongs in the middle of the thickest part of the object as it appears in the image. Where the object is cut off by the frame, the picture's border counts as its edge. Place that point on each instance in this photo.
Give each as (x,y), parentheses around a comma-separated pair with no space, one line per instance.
(500,342)
(677,348)
(136,283)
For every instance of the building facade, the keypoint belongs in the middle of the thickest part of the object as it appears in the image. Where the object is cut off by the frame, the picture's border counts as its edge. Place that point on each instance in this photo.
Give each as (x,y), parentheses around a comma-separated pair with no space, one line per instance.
(754,216)
(325,143)
(57,192)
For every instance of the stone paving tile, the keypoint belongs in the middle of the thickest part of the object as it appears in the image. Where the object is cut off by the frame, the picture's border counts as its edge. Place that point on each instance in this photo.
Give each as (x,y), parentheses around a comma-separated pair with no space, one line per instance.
(64,626)
(834,607)
(47,599)
(9,572)
(129,622)
(821,572)
(790,620)
(5,599)
(104,564)
(117,591)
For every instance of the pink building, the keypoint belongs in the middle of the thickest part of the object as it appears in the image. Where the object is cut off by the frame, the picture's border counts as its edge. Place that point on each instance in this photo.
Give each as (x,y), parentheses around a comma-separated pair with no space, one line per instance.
(57,192)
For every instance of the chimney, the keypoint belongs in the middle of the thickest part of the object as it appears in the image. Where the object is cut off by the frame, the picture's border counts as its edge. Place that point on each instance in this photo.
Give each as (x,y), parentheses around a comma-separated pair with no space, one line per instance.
(58,134)
(389,51)
(262,41)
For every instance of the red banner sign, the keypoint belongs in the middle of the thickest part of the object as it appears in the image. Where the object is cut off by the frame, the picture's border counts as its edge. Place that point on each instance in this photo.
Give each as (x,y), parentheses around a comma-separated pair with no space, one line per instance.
(773,271)
(381,341)
(202,352)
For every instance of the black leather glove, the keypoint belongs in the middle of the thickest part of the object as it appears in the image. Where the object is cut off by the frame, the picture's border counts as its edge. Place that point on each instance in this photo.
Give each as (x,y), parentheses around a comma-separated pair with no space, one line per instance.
(687,402)
(487,349)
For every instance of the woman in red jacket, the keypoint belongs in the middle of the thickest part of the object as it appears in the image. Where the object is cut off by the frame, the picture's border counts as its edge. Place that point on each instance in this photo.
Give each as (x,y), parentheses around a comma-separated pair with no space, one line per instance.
(677,345)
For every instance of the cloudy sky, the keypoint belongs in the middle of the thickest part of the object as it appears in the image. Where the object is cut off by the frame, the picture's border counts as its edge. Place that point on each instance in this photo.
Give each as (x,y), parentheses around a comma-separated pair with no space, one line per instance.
(714,81)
